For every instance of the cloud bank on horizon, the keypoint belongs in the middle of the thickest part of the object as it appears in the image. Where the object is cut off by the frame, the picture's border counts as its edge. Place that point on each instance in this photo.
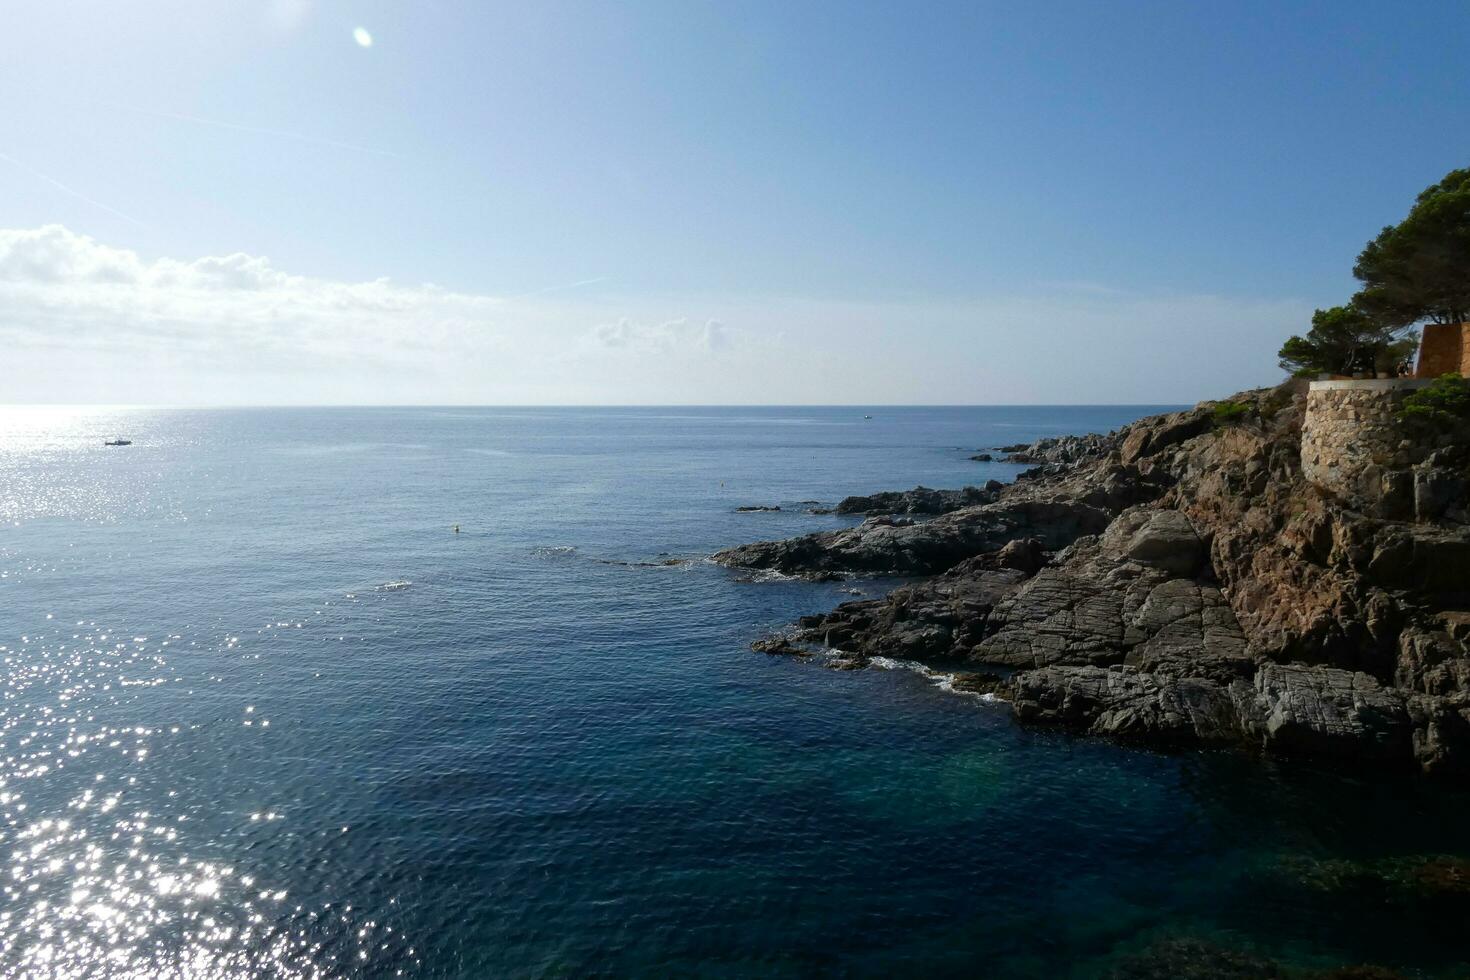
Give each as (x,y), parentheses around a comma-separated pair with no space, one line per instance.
(84,321)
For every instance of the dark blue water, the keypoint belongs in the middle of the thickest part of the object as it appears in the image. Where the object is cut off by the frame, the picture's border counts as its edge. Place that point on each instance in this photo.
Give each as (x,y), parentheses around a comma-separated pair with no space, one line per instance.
(265,714)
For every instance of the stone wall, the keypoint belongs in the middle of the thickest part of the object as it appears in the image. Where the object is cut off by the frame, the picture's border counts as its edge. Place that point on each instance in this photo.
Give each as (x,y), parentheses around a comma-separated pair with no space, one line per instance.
(1354,448)
(1444,349)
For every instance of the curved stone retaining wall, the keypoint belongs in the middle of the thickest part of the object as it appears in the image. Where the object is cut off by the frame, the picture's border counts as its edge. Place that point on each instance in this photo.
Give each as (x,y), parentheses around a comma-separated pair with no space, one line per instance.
(1353,447)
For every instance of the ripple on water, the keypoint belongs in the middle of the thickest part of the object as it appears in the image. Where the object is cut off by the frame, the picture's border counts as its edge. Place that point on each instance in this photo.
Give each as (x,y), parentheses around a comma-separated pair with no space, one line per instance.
(110,866)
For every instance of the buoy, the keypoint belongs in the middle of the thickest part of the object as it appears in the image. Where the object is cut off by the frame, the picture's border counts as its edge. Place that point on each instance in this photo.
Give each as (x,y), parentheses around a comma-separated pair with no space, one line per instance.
(456,529)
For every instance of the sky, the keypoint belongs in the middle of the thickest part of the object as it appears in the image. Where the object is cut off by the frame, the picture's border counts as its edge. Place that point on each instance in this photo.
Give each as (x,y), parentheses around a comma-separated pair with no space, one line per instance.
(218,202)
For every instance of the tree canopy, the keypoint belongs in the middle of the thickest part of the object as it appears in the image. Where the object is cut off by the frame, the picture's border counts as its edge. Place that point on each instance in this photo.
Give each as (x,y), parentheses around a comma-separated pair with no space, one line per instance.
(1419,269)
(1346,340)
(1416,270)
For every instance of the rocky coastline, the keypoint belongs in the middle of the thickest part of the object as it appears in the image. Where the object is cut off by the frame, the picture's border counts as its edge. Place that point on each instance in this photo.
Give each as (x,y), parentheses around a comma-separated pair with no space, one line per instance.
(1180,581)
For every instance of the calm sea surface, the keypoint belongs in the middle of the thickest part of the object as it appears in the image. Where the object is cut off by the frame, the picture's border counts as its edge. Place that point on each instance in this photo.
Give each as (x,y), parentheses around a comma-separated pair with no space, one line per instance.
(265,714)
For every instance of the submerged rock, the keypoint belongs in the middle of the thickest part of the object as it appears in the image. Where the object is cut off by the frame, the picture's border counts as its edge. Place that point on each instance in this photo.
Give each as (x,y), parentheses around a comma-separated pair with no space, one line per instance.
(1186,958)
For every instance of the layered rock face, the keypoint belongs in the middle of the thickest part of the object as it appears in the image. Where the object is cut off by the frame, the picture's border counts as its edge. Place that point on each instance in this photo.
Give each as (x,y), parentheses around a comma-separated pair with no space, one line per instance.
(1187,582)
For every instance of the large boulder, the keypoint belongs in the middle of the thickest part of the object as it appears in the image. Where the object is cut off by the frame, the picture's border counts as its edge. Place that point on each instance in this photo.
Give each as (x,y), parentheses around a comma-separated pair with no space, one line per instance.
(1325,711)
(1099,604)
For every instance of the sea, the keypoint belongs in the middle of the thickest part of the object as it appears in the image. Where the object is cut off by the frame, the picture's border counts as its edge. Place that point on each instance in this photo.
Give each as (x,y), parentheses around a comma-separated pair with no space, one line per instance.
(456,692)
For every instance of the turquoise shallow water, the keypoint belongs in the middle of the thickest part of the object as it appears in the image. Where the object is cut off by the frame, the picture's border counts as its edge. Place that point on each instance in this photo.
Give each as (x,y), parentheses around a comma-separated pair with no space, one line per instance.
(264,714)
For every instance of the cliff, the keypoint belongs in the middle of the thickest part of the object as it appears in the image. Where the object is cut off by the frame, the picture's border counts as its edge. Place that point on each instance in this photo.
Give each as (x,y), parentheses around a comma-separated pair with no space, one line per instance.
(1188,580)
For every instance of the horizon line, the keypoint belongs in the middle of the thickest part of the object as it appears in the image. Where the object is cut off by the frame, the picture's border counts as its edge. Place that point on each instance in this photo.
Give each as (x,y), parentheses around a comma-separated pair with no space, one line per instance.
(844,405)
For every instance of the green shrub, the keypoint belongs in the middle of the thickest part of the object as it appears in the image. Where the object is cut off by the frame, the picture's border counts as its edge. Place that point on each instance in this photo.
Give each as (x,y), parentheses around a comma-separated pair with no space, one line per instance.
(1446,400)
(1228,413)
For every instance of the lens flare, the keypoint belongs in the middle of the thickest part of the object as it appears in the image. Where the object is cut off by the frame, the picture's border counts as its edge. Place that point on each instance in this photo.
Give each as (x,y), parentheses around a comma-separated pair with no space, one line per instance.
(362,37)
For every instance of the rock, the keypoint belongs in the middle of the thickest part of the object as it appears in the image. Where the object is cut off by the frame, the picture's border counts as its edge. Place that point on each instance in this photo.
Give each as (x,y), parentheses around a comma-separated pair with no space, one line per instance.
(1060,450)
(755,509)
(1441,734)
(938,619)
(1194,959)
(780,645)
(983,458)
(1166,540)
(881,546)
(1436,884)
(1127,703)
(1025,555)
(1438,491)
(979,682)
(1097,605)
(1288,709)
(1144,441)
(920,500)
(1182,582)
(1324,711)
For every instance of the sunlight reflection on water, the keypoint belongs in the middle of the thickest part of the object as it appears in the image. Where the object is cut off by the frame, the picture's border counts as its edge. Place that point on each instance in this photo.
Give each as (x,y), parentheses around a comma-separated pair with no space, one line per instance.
(115,885)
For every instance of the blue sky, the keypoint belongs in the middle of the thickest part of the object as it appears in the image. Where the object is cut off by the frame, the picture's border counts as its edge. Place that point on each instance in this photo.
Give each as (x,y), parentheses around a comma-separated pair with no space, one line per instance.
(689,202)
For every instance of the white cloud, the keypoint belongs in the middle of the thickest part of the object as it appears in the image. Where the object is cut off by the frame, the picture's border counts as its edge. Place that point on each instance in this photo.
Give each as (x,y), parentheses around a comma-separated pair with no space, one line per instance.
(84,321)
(669,337)
(51,254)
(62,288)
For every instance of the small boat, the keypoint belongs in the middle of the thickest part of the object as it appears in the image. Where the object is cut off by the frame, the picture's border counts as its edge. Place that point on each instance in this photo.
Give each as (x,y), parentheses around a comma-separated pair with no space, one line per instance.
(867,416)
(118,442)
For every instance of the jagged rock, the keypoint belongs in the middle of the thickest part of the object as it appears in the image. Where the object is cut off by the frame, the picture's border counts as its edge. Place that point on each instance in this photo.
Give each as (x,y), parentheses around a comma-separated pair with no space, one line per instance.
(1126,702)
(1291,709)
(1167,541)
(1026,555)
(1439,491)
(881,546)
(1144,441)
(920,500)
(937,619)
(781,645)
(1188,583)
(980,682)
(1433,661)
(1184,958)
(1060,450)
(1441,731)
(1325,711)
(1098,604)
